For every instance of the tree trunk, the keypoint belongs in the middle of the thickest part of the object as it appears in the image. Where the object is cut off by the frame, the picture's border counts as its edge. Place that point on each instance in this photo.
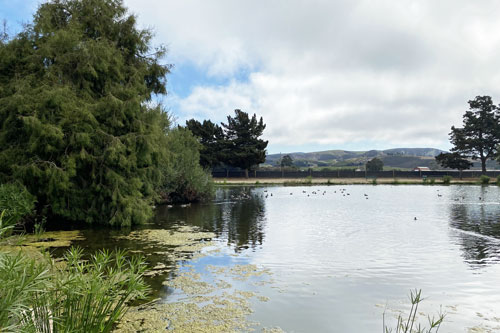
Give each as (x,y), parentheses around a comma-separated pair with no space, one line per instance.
(246,173)
(483,165)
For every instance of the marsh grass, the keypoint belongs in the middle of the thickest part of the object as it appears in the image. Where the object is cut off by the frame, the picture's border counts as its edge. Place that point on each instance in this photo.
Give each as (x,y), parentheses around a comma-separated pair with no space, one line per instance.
(73,295)
(447,179)
(409,324)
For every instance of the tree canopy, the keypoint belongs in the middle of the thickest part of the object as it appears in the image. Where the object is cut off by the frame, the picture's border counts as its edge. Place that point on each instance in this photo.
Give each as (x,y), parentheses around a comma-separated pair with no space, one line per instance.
(242,135)
(480,135)
(375,164)
(212,139)
(453,161)
(78,128)
(286,161)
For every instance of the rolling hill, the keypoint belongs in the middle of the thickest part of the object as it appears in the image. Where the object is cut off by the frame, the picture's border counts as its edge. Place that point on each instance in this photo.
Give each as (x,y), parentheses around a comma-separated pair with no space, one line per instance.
(396,158)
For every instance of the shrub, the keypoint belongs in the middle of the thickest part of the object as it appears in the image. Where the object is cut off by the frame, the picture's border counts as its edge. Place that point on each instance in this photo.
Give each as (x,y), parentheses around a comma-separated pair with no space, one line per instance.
(374,181)
(485,180)
(309,180)
(78,296)
(498,180)
(15,204)
(447,179)
(185,180)
(432,181)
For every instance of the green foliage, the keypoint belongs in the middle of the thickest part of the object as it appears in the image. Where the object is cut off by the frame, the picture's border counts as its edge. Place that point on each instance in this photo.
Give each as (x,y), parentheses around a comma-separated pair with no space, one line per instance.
(76,124)
(244,146)
(453,161)
(485,180)
(479,137)
(432,181)
(212,139)
(447,179)
(186,180)
(374,181)
(309,180)
(375,164)
(498,180)
(286,161)
(409,324)
(15,204)
(76,296)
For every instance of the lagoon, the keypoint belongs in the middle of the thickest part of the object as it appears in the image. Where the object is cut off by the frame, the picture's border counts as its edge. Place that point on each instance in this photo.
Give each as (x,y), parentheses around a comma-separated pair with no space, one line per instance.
(334,258)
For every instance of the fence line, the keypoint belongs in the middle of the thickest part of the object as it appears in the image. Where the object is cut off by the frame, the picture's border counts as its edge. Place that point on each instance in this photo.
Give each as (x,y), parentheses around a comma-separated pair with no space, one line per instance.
(352,174)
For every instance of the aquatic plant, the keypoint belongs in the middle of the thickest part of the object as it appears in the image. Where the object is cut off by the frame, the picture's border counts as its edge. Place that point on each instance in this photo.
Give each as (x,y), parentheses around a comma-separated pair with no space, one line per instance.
(447,179)
(71,296)
(409,324)
(15,204)
(484,180)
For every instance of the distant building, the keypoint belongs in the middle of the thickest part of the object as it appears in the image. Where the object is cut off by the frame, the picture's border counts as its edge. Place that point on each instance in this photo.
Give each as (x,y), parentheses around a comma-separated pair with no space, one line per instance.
(421,169)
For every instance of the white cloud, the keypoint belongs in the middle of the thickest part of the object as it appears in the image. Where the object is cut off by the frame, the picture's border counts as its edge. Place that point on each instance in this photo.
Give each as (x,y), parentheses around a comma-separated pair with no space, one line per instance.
(335,72)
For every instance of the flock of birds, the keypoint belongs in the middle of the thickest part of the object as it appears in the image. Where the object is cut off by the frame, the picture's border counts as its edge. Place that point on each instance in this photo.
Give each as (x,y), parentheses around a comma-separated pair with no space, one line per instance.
(342,191)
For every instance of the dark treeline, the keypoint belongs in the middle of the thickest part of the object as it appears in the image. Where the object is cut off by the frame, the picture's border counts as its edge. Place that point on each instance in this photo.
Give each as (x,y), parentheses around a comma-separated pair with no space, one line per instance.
(235,144)
(78,125)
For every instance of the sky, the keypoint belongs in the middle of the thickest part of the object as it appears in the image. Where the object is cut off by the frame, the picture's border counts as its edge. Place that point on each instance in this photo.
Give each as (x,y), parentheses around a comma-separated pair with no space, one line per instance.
(323,74)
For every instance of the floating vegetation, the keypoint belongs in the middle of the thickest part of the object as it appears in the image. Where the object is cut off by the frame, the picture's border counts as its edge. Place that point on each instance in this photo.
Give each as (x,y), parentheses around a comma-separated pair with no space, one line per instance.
(207,306)
(190,284)
(33,244)
(183,240)
(239,272)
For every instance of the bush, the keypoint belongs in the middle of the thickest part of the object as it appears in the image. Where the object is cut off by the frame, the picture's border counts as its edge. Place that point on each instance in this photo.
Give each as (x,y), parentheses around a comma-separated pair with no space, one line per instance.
(185,179)
(498,180)
(374,181)
(15,204)
(432,181)
(447,179)
(485,180)
(76,296)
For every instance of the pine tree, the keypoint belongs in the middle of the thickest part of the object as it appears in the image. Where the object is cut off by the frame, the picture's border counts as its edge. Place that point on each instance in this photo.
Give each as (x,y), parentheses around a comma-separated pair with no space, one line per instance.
(480,135)
(76,125)
(242,134)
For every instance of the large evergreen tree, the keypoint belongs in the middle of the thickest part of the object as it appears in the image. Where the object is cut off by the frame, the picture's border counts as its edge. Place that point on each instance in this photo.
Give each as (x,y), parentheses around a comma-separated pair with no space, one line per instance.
(245,147)
(76,125)
(212,139)
(480,135)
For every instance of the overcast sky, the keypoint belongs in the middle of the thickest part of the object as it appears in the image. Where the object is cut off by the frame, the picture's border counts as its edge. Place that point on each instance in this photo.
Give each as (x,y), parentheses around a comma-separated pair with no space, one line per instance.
(351,74)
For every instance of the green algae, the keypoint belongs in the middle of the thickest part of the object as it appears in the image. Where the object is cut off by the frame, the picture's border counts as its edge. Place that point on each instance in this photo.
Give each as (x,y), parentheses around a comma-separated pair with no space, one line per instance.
(184,241)
(33,245)
(210,307)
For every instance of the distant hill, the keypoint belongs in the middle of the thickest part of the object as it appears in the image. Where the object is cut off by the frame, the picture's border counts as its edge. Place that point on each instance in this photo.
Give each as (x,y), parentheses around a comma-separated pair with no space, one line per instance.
(397,158)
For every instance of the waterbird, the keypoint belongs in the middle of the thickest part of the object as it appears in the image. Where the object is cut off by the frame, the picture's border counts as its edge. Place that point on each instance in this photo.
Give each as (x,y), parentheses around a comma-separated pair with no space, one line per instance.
(415,218)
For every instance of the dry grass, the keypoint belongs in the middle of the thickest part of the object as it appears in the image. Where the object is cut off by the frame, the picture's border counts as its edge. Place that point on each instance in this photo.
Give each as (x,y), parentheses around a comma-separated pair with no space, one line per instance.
(332,181)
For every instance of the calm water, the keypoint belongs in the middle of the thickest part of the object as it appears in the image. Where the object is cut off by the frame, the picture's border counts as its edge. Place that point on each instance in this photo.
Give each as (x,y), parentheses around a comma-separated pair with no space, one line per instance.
(339,258)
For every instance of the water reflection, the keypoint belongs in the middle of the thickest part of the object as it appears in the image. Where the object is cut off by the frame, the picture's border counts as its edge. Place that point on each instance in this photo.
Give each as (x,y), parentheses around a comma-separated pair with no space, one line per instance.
(237,215)
(474,216)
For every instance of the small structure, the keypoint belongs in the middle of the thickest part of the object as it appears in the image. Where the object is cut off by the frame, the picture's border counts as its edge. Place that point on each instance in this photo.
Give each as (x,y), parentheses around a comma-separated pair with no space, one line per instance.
(421,169)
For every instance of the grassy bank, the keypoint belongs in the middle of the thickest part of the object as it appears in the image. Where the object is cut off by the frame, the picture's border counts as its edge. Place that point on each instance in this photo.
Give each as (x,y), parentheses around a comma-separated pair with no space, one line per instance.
(344,181)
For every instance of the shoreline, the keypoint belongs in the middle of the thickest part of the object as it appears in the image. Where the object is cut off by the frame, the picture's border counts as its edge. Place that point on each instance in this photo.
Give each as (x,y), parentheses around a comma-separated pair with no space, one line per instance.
(344,181)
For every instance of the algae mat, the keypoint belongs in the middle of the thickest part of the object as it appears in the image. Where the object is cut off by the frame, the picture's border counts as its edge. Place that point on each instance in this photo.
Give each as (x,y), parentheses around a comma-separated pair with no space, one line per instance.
(206,300)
